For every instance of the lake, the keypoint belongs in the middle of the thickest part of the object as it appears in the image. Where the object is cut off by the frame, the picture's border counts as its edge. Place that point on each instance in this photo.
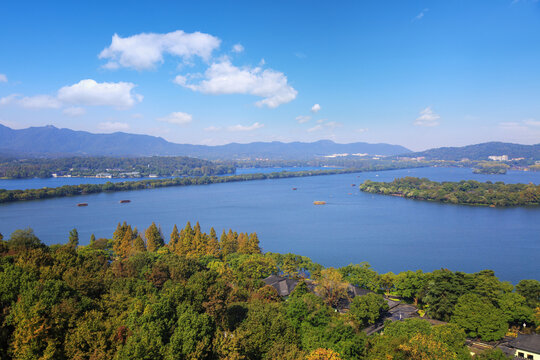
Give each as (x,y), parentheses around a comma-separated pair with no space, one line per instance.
(38,183)
(392,234)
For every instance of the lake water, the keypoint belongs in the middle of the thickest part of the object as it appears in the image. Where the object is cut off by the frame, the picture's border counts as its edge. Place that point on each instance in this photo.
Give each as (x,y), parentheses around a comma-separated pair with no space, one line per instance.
(37,183)
(392,234)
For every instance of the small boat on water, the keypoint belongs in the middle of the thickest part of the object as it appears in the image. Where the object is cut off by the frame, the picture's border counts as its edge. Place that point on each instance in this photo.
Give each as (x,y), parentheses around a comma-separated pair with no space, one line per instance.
(294,188)
(319,202)
(353,185)
(82,204)
(125,201)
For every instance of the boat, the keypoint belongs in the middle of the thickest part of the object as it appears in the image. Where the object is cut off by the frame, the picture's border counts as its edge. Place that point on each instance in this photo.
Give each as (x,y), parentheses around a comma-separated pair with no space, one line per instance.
(353,184)
(125,201)
(294,188)
(319,202)
(82,204)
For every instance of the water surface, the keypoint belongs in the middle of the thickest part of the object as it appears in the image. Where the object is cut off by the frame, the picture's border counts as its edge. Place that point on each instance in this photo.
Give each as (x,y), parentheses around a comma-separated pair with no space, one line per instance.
(392,234)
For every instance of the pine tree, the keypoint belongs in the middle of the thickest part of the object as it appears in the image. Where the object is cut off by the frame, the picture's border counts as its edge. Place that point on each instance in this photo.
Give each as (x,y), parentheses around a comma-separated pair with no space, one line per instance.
(154,238)
(138,245)
(253,244)
(73,238)
(243,244)
(92,239)
(212,245)
(229,243)
(174,242)
(122,247)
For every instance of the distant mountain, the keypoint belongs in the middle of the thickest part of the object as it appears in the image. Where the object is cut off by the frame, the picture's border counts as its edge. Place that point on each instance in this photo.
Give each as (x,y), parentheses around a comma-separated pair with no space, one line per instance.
(480,152)
(51,141)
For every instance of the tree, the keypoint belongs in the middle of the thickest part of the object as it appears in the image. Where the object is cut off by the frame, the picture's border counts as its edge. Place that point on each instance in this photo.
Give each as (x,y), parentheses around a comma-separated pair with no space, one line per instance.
(174,242)
(361,275)
(515,309)
(154,238)
(24,239)
(479,318)
(138,245)
(491,354)
(409,284)
(323,354)
(331,286)
(73,238)
(387,281)
(530,290)
(367,309)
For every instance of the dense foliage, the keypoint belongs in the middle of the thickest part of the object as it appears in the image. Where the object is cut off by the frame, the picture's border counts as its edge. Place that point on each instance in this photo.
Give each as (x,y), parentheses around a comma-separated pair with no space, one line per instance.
(481,152)
(116,166)
(490,167)
(198,296)
(464,192)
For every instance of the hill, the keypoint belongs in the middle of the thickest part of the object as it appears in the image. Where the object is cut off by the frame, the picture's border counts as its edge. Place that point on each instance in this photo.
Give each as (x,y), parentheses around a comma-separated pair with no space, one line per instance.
(480,152)
(50,141)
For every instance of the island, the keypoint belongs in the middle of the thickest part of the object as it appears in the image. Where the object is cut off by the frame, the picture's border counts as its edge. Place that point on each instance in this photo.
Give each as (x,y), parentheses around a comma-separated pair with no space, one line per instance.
(463,192)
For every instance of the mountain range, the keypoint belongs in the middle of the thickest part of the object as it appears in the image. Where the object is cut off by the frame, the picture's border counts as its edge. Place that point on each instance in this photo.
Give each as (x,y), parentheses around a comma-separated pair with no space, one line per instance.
(51,141)
(481,152)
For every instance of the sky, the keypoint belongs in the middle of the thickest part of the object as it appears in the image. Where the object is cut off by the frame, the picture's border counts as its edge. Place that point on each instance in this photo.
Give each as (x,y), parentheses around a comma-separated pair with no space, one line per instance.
(420,74)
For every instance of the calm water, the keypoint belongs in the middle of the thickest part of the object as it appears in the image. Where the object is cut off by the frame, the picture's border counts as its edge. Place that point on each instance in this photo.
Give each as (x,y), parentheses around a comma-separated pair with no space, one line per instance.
(392,234)
(37,183)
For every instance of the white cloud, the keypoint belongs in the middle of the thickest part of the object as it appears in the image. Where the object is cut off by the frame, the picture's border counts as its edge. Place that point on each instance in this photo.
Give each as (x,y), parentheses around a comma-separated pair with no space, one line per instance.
(316,108)
(427,118)
(531,122)
(74,111)
(3,78)
(225,78)
(303,119)
(324,125)
(315,128)
(212,128)
(420,15)
(91,93)
(137,116)
(177,118)
(143,51)
(300,55)
(31,102)
(238,48)
(361,130)
(113,126)
(252,127)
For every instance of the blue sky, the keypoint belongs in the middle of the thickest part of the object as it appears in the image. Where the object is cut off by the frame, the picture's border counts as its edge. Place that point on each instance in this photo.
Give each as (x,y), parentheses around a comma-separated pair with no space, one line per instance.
(417,73)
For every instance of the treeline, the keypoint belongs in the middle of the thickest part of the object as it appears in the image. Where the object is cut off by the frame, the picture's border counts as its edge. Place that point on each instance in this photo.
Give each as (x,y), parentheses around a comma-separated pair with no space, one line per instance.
(116,166)
(134,296)
(366,164)
(491,167)
(464,192)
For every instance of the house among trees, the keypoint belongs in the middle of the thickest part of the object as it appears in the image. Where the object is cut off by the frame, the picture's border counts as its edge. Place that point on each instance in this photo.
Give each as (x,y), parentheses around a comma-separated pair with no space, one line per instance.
(524,347)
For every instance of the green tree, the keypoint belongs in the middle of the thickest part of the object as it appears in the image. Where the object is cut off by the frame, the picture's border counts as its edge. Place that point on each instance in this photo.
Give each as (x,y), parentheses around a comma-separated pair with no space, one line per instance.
(73,238)
(530,290)
(24,239)
(154,238)
(367,309)
(479,318)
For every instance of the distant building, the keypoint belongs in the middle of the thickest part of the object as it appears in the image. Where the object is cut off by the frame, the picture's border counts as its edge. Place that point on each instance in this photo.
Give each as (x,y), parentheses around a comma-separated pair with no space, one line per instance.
(104,176)
(498,158)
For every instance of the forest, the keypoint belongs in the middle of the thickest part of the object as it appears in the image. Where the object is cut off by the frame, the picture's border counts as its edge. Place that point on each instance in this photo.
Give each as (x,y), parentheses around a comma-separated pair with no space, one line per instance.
(200,296)
(116,166)
(469,192)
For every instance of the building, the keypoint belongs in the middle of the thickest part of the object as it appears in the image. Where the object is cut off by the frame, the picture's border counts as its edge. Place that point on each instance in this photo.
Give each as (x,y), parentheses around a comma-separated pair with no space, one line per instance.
(526,347)
(498,158)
